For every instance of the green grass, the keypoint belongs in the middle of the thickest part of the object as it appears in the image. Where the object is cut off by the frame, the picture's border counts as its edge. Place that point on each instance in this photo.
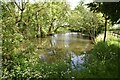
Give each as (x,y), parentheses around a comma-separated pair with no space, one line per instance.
(103,59)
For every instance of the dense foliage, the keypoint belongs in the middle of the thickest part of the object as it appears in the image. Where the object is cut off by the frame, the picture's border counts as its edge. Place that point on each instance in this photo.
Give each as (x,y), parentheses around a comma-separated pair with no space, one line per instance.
(103,60)
(110,11)
(21,22)
(86,22)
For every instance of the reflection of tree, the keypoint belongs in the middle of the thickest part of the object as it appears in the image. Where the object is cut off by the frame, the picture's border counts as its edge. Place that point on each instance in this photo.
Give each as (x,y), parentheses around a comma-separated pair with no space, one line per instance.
(53,41)
(66,39)
(52,49)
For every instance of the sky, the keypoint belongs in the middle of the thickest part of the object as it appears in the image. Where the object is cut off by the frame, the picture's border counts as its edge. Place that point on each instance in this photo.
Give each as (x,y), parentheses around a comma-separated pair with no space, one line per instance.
(72,3)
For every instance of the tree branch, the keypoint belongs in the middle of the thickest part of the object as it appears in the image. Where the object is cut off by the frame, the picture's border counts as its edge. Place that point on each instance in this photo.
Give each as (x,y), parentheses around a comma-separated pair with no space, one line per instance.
(17,5)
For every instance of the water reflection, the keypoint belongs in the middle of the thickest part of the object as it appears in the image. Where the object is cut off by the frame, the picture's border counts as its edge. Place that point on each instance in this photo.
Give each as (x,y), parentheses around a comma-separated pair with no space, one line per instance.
(69,40)
(66,39)
(77,61)
(54,40)
(58,46)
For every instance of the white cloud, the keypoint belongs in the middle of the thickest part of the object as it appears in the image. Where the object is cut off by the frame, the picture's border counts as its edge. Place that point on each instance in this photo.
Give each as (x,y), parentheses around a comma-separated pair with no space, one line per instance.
(74,3)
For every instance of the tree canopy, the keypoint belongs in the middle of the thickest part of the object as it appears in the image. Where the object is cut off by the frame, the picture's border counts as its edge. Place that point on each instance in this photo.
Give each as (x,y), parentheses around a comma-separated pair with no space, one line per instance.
(110,9)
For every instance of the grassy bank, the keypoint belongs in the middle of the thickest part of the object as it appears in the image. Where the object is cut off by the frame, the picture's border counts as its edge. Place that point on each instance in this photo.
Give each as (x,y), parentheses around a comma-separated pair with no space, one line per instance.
(103,59)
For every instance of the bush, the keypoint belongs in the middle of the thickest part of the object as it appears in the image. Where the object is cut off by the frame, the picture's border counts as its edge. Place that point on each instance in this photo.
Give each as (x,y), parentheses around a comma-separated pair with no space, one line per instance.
(103,60)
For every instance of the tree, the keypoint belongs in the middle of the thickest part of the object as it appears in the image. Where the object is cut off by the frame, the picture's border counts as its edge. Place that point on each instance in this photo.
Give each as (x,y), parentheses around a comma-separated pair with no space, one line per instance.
(110,10)
(86,22)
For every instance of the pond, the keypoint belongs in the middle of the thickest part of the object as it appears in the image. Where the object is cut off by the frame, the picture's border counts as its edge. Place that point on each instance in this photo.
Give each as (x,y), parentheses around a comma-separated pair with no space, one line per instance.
(61,46)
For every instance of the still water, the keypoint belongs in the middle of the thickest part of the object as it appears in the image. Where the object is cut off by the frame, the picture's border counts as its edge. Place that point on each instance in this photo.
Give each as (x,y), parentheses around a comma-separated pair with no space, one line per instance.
(61,46)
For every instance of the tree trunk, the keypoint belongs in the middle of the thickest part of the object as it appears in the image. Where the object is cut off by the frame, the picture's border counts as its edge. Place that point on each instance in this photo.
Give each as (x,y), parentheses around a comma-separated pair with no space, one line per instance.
(41,33)
(105,28)
(21,8)
(91,37)
(50,28)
